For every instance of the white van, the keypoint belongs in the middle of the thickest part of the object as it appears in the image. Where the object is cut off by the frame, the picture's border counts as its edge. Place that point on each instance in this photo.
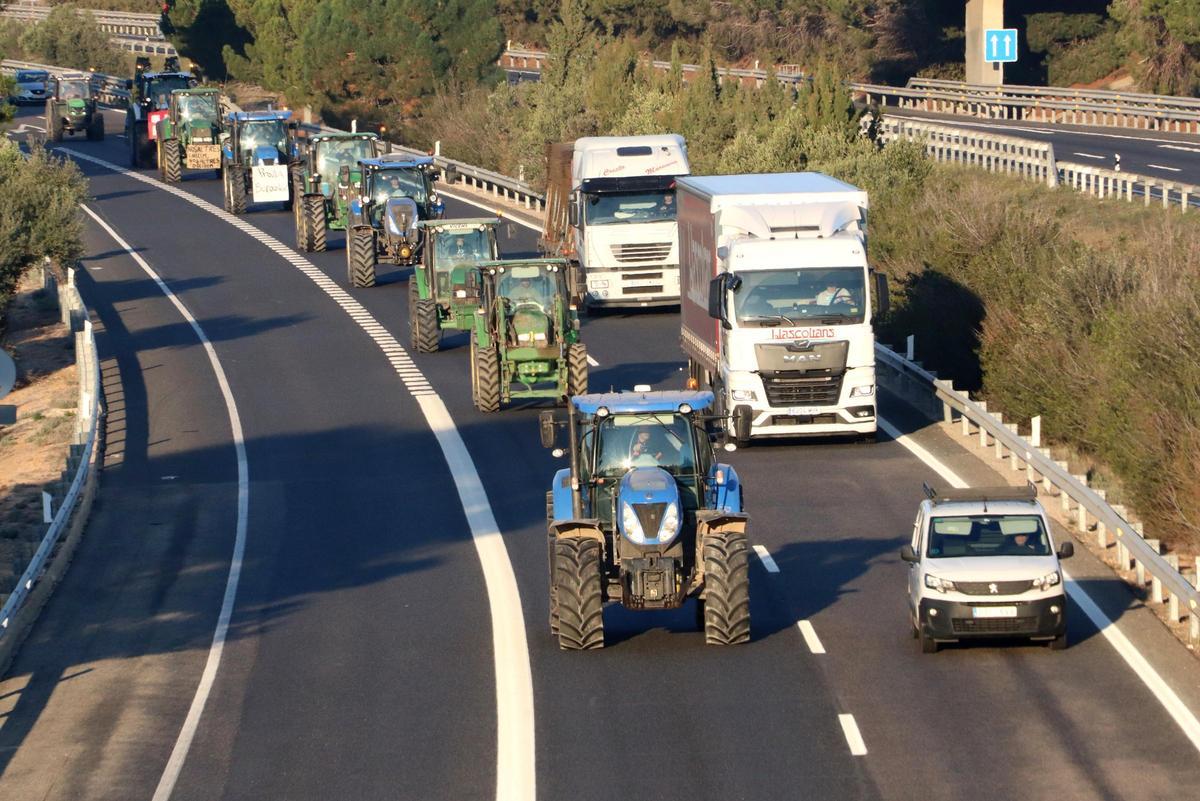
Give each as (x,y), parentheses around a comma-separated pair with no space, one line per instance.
(982,564)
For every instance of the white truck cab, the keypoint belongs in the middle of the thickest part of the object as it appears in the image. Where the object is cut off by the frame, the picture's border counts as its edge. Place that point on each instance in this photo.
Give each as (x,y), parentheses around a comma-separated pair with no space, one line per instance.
(982,563)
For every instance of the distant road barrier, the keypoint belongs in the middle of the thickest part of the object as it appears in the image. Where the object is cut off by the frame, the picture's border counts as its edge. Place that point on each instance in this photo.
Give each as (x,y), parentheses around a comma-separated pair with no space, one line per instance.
(1034,160)
(117,23)
(1135,558)
(72,500)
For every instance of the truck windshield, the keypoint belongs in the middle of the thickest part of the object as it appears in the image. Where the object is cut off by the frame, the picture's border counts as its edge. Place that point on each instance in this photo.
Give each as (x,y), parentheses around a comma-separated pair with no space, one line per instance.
(641,440)
(257,133)
(197,107)
(982,535)
(629,207)
(333,154)
(400,182)
(774,297)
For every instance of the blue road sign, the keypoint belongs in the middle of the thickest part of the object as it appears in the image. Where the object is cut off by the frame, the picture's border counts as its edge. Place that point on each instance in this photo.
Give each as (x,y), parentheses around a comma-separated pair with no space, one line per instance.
(1000,44)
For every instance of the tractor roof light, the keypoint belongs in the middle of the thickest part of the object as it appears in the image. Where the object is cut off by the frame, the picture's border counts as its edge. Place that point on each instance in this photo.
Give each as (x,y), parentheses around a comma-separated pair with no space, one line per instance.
(685,408)
(602,411)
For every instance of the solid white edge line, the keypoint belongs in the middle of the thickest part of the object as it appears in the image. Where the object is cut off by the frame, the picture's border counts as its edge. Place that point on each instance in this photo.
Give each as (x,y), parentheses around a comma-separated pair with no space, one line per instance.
(592,361)
(1171,702)
(765,557)
(516,775)
(498,211)
(854,737)
(170,774)
(810,636)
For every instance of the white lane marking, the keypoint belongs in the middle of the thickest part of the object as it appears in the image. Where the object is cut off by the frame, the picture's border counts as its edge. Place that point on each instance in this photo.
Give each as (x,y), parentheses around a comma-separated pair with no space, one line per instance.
(854,737)
(516,778)
(1066,130)
(592,361)
(1181,147)
(767,560)
(1163,167)
(1171,702)
(1090,155)
(187,733)
(498,211)
(810,636)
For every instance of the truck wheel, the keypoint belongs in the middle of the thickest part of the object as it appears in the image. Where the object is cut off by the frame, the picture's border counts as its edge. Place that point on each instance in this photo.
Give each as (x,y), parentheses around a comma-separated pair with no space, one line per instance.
(170,160)
(577,591)
(726,588)
(95,131)
(487,379)
(360,257)
(235,191)
(423,330)
(577,369)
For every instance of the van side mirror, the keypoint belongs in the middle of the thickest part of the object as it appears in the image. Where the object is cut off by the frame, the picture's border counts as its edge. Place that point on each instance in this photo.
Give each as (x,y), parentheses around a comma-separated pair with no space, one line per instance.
(1066,550)
(908,554)
(882,300)
(549,428)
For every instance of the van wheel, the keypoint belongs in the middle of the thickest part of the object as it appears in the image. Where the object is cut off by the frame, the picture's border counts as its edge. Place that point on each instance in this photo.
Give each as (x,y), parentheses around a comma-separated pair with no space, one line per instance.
(928,644)
(1059,643)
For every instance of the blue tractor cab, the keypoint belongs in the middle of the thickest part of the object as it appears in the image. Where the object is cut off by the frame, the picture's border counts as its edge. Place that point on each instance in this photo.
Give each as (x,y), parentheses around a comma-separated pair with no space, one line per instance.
(644,515)
(259,159)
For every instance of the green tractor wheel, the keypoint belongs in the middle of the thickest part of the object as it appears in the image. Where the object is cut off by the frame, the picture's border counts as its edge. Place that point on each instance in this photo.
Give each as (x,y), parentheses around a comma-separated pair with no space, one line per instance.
(580,602)
(311,209)
(95,131)
(235,190)
(170,161)
(485,384)
(726,588)
(577,369)
(361,257)
(298,221)
(424,332)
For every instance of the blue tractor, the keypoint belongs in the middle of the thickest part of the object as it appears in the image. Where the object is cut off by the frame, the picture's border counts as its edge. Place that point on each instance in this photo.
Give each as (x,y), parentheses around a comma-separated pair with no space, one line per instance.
(259,159)
(644,515)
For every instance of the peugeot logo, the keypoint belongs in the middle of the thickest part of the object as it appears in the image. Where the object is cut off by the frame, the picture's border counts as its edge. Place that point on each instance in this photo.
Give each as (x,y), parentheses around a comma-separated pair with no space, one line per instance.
(993,589)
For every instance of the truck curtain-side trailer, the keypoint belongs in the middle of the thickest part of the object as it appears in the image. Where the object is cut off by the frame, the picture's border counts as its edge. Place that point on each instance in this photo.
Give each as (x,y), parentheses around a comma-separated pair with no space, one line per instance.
(610,210)
(776,306)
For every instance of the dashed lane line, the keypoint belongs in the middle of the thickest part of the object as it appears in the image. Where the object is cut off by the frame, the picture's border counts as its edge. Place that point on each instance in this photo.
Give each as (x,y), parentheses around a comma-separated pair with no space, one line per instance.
(854,737)
(187,732)
(515,754)
(1090,156)
(765,557)
(810,637)
(1163,167)
(1170,701)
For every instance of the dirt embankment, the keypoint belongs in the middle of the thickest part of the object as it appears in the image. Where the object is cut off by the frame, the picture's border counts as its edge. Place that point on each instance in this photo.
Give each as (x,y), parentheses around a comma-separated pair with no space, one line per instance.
(34,449)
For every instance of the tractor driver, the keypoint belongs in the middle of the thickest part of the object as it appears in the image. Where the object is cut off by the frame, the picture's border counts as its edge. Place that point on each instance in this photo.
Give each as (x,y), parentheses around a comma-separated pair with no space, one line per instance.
(524,290)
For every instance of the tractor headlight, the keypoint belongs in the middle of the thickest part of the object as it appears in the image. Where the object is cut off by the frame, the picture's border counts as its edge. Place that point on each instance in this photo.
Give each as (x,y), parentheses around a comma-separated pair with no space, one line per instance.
(631,524)
(405,252)
(670,524)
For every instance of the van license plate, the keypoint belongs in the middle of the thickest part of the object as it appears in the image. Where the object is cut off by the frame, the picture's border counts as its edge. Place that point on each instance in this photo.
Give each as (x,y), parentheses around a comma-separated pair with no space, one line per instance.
(994,611)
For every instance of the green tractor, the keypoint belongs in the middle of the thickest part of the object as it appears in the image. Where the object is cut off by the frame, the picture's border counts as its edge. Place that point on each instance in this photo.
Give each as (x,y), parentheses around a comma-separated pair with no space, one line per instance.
(189,135)
(526,338)
(71,108)
(257,151)
(324,189)
(392,194)
(444,289)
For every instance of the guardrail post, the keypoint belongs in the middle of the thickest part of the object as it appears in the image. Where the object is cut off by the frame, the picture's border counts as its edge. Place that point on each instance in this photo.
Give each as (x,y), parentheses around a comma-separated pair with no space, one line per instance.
(1101,528)
(983,436)
(1013,462)
(996,440)
(1172,598)
(1081,511)
(1166,192)
(1147,198)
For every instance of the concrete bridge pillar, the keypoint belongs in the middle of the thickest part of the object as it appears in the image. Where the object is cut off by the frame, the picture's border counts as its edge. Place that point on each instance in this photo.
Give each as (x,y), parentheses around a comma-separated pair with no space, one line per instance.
(982,15)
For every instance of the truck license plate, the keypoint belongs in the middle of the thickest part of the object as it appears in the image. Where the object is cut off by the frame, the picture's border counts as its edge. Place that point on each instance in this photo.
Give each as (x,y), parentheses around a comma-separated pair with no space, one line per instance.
(803,411)
(994,611)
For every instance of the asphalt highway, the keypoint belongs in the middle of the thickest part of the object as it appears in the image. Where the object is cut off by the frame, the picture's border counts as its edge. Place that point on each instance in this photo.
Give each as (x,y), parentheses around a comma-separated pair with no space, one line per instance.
(359,655)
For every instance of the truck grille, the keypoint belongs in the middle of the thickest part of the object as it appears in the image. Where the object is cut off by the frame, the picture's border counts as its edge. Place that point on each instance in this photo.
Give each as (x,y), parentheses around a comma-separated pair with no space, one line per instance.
(985,587)
(994,625)
(786,389)
(635,252)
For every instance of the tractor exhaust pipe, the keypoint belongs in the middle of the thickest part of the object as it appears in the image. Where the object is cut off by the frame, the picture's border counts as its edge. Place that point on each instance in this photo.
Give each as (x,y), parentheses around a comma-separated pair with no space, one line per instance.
(576,490)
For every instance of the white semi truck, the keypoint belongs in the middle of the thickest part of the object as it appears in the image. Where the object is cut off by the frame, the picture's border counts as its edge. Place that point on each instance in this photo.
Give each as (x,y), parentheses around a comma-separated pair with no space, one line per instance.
(776,307)
(610,210)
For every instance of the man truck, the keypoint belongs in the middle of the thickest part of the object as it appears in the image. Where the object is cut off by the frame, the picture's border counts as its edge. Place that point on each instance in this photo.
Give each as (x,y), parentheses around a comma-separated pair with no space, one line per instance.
(776,307)
(610,210)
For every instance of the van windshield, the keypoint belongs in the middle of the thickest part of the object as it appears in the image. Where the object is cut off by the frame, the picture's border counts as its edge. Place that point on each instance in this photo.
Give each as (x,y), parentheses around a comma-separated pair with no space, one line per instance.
(983,535)
(629,207)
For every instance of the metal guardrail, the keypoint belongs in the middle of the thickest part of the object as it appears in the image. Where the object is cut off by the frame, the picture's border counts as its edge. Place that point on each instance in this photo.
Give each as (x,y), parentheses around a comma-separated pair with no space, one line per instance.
(1116,536)
(110,88)
(1035,160)
(124,23)
(82,449)
(1059,93)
